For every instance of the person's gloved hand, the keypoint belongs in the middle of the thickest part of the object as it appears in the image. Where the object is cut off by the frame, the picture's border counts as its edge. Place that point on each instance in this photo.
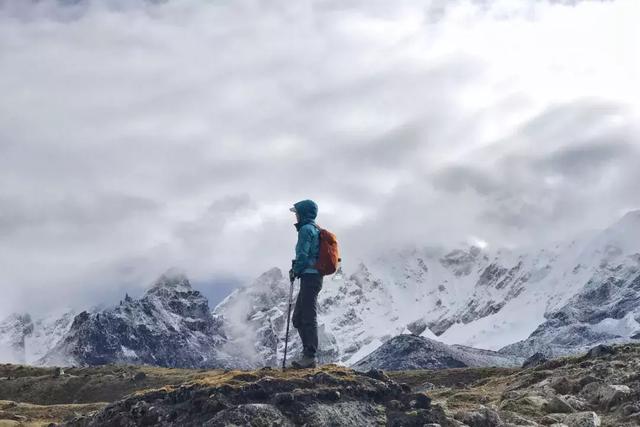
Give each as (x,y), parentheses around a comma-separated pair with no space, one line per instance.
(292,275)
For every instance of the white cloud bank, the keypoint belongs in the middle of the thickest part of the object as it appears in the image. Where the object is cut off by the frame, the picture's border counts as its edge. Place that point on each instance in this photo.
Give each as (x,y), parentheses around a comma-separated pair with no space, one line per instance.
(135,136)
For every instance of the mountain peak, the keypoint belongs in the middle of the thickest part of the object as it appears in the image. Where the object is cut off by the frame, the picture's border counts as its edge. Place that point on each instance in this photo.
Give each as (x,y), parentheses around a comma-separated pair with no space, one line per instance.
(173,280)
(623,234)
(272,274)
(631,219)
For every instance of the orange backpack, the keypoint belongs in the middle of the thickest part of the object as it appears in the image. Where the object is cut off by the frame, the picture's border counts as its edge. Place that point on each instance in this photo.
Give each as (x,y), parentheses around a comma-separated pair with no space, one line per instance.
(328,256)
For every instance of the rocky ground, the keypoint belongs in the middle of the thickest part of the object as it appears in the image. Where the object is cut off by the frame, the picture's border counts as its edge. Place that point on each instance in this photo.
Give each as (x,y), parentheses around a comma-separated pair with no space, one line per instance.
(601,388)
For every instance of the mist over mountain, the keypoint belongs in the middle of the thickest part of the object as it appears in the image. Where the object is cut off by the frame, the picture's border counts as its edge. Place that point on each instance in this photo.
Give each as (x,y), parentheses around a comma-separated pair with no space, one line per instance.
(138,135)
(462,306)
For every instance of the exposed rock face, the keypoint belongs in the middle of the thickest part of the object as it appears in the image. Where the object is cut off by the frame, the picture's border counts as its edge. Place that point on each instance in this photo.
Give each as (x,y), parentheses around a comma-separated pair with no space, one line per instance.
(576,294)
(535,360)
(409,291)
(171,325)
(607,308)
(331,396)
(587,290)
(603,312)
(411,352)
(600,350)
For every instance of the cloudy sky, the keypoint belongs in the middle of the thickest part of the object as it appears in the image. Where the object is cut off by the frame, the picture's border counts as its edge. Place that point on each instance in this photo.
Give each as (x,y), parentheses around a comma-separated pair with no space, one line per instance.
(138,136)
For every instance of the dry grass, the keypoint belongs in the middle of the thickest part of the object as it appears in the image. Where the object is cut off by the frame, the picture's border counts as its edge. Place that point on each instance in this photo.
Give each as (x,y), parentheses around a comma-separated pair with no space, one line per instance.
(45,397)
(27,414)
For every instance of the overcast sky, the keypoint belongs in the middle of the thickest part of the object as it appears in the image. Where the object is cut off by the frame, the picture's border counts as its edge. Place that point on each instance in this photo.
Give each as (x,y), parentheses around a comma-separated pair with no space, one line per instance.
(138,136)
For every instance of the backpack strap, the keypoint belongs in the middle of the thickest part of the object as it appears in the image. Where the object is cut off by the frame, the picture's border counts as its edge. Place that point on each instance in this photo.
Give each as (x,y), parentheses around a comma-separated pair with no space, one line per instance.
(319,230)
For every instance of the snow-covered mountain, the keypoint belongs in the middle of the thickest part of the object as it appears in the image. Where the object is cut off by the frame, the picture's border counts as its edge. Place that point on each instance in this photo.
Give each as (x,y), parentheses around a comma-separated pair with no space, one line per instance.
(13,331)
(423,292)
(607,308)
(46,334)
(556,300)
(171,325)
(413,352)
(478,298)
(24,340)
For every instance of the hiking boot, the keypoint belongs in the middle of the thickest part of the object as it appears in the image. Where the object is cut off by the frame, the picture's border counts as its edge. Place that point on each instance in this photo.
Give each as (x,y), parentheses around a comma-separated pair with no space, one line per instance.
(305,362)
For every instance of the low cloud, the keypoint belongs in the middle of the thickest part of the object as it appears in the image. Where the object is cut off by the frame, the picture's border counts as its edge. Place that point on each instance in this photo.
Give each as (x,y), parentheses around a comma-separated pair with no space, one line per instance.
(137,136)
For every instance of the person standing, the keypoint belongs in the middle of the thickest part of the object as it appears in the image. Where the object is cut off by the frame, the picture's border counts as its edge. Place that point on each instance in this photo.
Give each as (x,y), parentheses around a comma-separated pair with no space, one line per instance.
(305,313)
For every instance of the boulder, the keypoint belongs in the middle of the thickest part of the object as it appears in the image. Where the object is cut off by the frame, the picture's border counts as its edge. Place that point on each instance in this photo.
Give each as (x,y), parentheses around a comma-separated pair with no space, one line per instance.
(421,401)
(577,403)
(561,385)
(140,376)
(535,360)
(605,396)
(352,413)
(558,404)
(583,419)
(427,386)
(256,414)
(600,351)
(630,409)
(586,380)
(483,417)
(513,418)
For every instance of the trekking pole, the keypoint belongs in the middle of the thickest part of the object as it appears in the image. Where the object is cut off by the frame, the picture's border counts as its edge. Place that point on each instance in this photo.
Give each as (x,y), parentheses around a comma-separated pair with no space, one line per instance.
(286,336)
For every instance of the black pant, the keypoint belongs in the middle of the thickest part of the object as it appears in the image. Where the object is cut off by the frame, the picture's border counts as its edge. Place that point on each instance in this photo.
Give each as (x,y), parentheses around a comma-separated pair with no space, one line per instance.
(305,314)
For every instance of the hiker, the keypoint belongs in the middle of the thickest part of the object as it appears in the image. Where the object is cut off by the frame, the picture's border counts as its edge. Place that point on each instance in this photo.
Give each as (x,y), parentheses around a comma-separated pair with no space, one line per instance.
(305,314)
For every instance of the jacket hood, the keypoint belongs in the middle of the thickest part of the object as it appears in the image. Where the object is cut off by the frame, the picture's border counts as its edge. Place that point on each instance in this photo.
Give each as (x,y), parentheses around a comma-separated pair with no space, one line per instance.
(307,210)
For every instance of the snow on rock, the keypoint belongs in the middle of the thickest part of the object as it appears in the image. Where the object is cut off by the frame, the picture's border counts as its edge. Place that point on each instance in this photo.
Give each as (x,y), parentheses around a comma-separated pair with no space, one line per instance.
(556,300)
(171,325)
(13,331)
(481,298)
(24,340)
(47,332)
(413,352)
(606,309)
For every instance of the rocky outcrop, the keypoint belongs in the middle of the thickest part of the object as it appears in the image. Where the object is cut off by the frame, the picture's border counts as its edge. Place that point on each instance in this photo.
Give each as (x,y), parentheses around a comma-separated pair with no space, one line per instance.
(587,390)
(329,396)
(171,325)
(412,352)
(535,360)
(599,388)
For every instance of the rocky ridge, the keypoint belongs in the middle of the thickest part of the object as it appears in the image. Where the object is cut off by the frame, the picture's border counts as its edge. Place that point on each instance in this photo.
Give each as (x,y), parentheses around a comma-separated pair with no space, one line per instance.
(414,352)
(170,325)
(598,388)
(328,396)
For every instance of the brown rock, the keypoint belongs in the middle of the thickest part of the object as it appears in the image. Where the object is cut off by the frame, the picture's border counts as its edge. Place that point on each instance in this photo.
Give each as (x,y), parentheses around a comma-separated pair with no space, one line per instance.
(558,405)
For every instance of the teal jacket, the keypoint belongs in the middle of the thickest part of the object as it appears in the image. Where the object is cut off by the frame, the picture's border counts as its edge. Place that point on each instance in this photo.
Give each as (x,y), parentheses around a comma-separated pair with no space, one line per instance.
(308,245)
